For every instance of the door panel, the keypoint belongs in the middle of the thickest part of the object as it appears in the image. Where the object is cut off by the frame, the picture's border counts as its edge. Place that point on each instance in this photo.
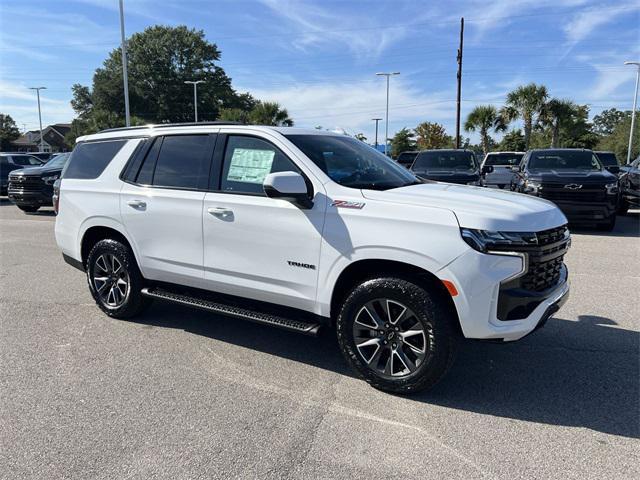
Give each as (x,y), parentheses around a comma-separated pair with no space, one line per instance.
(262,248)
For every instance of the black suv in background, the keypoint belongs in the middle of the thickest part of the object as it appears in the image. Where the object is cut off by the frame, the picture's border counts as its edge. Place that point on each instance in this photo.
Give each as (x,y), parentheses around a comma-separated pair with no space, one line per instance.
(629,186)
(575,180)
(451,166)
(406,158)
(14,161)
(32,188)
(609,161)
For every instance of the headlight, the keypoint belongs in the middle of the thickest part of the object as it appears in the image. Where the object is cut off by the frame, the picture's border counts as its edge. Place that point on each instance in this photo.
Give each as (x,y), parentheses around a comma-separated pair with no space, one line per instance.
(475,183)
(532,187)
(485,241)
(50,179)
(612,188)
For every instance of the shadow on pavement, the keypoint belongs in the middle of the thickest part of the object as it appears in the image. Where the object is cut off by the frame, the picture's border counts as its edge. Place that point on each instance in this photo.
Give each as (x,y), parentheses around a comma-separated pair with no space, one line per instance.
(581,374)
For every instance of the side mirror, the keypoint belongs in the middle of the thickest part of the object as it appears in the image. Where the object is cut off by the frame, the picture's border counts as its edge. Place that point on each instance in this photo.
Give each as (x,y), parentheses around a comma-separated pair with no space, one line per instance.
(615,169)
(288,186)
(487,169)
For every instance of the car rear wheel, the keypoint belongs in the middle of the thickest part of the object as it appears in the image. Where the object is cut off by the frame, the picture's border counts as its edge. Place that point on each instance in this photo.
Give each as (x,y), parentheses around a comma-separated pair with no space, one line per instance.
(114,279)
(396,335)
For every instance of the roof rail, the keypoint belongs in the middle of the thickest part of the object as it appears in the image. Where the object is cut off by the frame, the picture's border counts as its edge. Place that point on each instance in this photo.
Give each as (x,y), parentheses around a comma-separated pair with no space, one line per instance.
(164,125)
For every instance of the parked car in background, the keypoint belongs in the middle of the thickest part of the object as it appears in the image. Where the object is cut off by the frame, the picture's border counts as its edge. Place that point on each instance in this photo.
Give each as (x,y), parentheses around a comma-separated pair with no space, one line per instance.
(503,164)
(32,188)
(260,223)
(406,158)
(14,161)
(44,156)
(451,166)
(629,186)
(575,180)
(609,161)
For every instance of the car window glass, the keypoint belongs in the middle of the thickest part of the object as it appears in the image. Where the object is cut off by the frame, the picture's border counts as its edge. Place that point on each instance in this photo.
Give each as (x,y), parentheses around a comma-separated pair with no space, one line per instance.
(181,162)
(248,160)
(503,159)
(25,160)
(145,175)
(88,160)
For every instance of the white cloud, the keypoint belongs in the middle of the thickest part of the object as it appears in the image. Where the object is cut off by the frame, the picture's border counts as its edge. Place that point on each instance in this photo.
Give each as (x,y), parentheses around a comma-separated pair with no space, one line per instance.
(585,22)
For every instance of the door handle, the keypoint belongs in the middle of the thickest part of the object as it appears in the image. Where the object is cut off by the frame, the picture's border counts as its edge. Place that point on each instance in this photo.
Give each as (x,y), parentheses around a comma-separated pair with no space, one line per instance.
(220,212)
(139,204)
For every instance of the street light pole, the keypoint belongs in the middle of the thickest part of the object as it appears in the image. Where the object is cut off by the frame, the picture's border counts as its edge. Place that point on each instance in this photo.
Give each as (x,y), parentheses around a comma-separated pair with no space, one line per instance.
(125,77)
(386,128)
(633,111)
(376,120)
(195,95)
(37,89)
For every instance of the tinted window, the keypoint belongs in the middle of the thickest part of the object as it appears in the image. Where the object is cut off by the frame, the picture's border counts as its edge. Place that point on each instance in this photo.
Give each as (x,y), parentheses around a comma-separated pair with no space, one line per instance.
(353,163)
(406,158)
(181,162)
(59,160)
(145,176)
(564,160)
(248,160)
(26,160)
(607,158)
(503,159)
(88,160)
(445,160)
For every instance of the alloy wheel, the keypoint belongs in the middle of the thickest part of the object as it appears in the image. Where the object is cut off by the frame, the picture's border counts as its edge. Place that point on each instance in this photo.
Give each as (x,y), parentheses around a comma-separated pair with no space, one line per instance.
(111,280)
(390,338)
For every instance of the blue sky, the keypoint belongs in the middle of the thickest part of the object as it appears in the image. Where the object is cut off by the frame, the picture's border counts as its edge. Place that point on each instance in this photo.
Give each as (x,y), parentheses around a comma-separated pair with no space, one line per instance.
(319,58)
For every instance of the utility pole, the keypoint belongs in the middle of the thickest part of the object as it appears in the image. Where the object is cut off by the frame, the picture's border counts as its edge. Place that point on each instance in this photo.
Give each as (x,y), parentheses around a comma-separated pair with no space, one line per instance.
(37,89)
(376,120)
(459,83)
(125,78)
(633,111)
(195,95)
(386,128)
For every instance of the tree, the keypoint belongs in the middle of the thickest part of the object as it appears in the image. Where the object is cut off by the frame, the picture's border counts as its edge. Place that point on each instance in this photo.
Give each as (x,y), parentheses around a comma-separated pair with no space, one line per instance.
(8,131)
(270,113)
(432,135)
(360,136)
(618,140)
(160,59)
(94,122)
(607,121)
(402,141)
(556,113)
(525,102)
(512,142)
(234,115)
(484,118)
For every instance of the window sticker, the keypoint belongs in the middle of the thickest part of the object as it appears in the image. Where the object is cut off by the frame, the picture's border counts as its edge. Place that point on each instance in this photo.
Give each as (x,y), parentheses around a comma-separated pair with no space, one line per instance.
(249,165)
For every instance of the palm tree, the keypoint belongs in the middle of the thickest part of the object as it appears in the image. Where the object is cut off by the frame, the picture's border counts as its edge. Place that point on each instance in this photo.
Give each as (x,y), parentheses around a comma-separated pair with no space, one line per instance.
(555,113)
(270,113)
(484,118)
(525,102)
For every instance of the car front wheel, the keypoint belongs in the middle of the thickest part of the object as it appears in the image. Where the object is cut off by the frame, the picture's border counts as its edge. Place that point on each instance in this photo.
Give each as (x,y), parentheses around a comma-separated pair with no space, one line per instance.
(396,335)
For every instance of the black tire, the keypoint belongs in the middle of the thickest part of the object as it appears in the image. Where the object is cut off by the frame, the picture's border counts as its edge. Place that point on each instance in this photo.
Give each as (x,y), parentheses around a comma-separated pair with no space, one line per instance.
(28,208)
(440,338)
(609,225)
(128,301)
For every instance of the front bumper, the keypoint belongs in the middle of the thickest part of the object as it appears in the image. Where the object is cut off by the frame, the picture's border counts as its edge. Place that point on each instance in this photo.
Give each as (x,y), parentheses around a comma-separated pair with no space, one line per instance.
(479,293)
(588,212)
(25,197)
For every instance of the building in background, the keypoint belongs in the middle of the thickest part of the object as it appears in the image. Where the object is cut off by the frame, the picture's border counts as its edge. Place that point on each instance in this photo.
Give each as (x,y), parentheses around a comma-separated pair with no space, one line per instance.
(52,136)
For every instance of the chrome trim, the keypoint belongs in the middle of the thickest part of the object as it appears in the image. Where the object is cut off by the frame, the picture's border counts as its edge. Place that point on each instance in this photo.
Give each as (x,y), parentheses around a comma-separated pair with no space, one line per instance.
(525,264)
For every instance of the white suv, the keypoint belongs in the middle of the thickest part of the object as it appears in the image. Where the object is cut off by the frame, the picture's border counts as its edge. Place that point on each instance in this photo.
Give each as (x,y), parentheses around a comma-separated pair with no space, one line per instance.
(302,228)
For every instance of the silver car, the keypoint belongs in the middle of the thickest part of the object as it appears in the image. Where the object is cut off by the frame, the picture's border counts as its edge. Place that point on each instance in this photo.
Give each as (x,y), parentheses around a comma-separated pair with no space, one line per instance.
(502,163)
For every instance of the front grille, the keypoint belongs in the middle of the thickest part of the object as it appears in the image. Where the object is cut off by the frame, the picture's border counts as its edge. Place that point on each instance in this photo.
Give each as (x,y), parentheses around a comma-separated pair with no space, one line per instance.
(26,184)
(585,194)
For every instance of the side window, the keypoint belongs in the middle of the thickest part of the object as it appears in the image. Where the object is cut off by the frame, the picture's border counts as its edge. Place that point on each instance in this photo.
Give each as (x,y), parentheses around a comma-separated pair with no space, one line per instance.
(182,162)
(248,160)
(89,160)
(145,175)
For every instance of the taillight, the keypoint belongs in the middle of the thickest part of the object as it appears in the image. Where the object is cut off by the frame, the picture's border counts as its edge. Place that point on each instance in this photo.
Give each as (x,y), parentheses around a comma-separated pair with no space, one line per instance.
(56,196)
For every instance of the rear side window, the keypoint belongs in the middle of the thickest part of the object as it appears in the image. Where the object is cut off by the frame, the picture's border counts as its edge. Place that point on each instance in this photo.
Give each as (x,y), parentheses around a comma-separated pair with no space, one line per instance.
(26,160)
(89,160)
(182,162)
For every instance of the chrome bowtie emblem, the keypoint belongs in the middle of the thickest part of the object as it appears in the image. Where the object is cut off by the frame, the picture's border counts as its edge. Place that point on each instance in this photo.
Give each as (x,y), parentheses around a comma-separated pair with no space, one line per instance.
(573,186)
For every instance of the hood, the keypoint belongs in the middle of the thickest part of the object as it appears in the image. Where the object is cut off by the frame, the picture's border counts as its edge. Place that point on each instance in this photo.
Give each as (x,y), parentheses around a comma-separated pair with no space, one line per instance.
(480,208)
(450,176)
(43,170)
(572,176)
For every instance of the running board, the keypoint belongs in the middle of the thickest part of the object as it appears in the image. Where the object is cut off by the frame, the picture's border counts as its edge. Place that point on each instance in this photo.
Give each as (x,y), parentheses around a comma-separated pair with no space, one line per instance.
(285,323)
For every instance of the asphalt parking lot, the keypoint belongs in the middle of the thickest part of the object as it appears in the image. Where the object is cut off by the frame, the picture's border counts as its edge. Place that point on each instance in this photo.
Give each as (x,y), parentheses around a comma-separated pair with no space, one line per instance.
(179,393)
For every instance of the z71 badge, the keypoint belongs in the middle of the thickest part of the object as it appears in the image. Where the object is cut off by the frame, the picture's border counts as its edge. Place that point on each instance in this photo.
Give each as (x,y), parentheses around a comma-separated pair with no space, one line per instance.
(347,204)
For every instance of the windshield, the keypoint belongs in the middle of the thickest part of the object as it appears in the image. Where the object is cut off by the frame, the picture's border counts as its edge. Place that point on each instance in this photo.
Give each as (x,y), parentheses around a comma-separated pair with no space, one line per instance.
(564,160)
(445,160)
(58,160)
(607,159)
(352,163)
(497,159)
(24,160)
